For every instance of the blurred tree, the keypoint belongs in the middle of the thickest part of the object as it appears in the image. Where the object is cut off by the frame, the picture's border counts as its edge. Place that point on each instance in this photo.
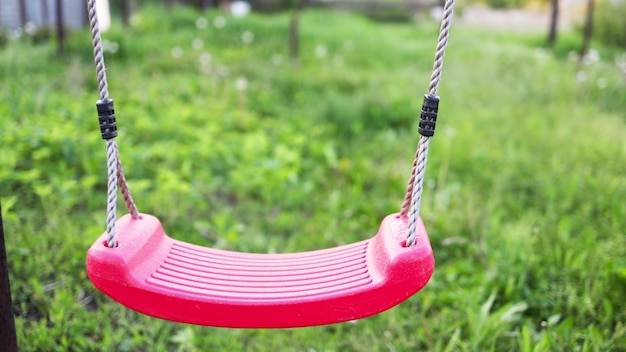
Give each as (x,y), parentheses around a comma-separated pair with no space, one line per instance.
(588,29)
(126,12)
(23,15)
(554,19)
(60,28)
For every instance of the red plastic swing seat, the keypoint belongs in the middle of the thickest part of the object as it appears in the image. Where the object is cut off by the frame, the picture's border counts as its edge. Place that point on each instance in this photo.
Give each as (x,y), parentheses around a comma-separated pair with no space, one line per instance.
(156,275)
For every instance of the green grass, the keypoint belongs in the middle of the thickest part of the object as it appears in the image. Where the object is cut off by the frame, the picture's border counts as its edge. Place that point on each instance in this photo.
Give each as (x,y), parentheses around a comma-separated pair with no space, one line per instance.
(524,198)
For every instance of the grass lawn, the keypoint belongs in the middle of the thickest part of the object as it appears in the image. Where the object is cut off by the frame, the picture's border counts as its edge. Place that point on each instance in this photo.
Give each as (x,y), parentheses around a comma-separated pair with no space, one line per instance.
(234,146)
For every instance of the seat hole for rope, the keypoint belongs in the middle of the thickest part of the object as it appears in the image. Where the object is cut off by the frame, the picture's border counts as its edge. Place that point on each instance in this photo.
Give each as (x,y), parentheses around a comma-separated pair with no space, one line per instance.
(106,244)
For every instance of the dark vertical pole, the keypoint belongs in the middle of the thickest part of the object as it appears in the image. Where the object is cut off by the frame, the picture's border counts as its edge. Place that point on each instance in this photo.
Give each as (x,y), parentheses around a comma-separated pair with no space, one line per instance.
(23,14)
(588,29)
(8,339)
(60,28)
(554,19)
(294,29)
(126,8)
(294,35)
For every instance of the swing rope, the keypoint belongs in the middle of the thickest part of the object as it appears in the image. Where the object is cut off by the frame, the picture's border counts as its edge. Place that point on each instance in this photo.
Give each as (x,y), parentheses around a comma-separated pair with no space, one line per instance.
(413,197)
(115,172)
(116,178)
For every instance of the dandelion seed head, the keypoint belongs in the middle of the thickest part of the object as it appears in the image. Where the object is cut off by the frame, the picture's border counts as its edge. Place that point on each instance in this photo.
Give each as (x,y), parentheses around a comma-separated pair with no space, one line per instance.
(241,83)
(205,58)
(247,37)
(197,43)
(321,51)
(219,22)
(202,23)
(177,52)
(277,59)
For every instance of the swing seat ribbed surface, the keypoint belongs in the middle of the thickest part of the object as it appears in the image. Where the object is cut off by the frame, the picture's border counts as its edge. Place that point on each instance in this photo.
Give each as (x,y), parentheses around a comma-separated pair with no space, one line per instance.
(156,275)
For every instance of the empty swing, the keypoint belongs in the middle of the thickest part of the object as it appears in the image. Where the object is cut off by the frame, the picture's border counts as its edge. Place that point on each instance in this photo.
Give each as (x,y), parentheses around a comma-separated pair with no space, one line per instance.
(137,264)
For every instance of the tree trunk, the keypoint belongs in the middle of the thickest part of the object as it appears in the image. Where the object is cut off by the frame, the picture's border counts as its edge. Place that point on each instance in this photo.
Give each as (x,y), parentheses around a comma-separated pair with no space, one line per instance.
(294,29)
(60,28)
(8,339)
(588,29)
(23,14)
(554,19)
(126,11)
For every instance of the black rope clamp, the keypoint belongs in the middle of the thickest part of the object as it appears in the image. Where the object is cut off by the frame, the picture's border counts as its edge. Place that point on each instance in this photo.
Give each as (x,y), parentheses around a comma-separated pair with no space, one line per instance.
(428,119)
(106,116)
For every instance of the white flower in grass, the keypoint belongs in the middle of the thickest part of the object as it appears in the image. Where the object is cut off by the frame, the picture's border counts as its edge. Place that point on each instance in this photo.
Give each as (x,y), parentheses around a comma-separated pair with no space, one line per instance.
(135,20)
(436,13)
(177,52)
(581,76)
(277,59)
(241,83)
(321,51)
(110,47)
(197,43)
(239,8)
(602,83)
(540,53)
(30,28)
(16,33)
(223,71)
(591,57)
(247,37)
(202,23)
(219,22)
(205,58)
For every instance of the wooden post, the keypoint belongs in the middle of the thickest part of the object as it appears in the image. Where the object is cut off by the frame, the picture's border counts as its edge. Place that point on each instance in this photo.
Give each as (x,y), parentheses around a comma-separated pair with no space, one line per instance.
(60,28)
(588,29)
(8,338)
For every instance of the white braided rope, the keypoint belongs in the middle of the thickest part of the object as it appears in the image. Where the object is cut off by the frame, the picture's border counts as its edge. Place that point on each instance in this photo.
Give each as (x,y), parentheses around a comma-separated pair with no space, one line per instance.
(111,147)
(115,173)
(413,198)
